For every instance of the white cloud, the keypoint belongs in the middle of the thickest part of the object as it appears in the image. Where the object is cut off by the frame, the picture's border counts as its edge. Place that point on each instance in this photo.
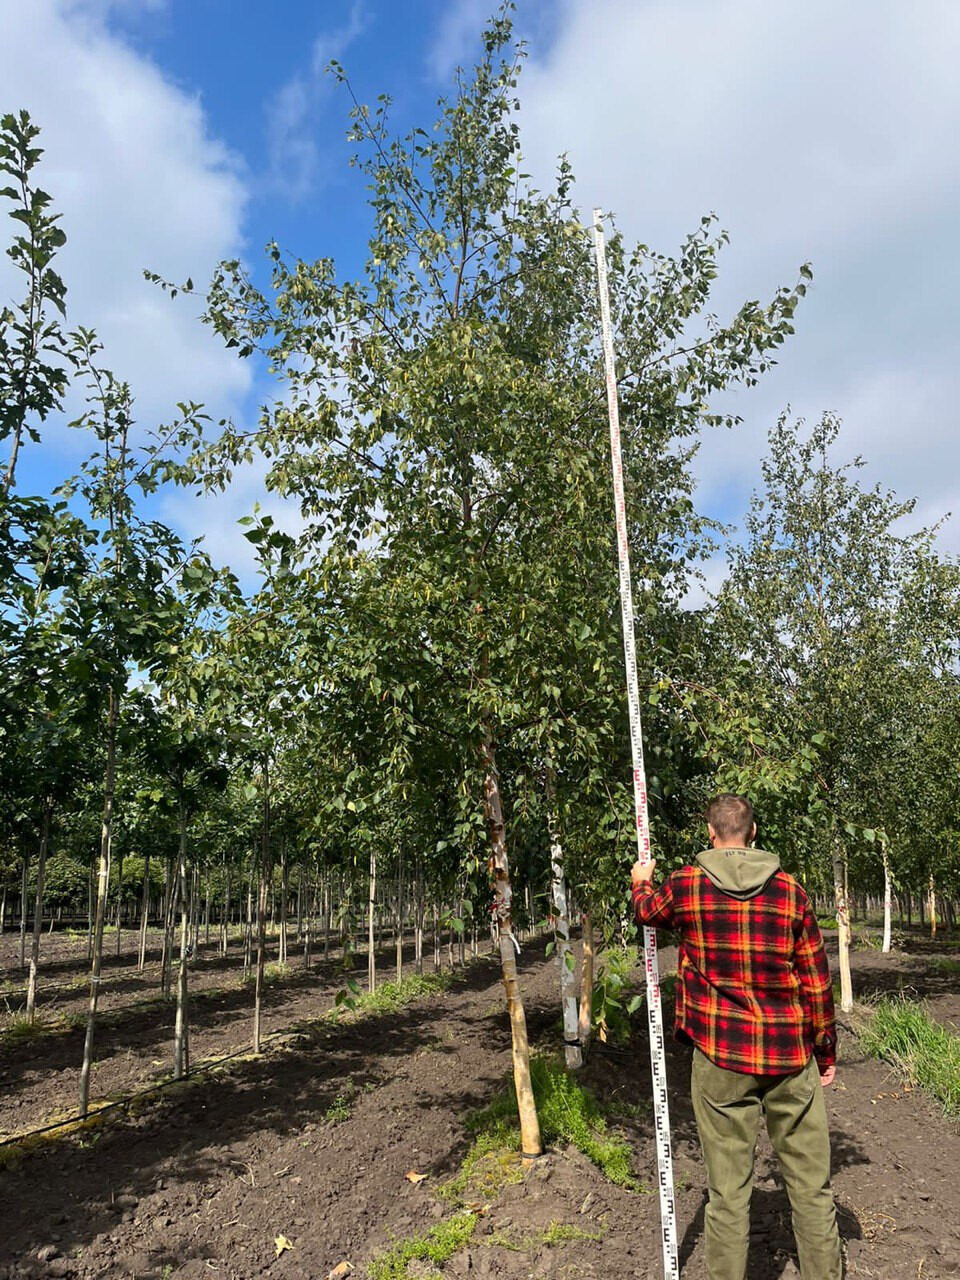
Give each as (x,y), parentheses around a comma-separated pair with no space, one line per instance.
(816,131)
(291,116)
(140,181)
(213,517)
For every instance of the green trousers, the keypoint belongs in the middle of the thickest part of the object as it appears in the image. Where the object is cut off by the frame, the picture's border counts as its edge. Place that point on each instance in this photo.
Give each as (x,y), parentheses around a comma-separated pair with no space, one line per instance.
(728,1105)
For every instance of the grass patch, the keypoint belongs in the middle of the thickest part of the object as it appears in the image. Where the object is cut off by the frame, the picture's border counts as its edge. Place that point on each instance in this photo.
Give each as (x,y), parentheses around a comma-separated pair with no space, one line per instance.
(902,1033)
(438,1245)
(557,1233)
(493,1162)
(946,964)
(20,1028)
(568,1113)
(390,997)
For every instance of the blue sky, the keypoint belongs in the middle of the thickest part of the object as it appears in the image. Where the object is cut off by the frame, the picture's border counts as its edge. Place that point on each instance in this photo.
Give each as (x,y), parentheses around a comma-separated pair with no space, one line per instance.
(179,132)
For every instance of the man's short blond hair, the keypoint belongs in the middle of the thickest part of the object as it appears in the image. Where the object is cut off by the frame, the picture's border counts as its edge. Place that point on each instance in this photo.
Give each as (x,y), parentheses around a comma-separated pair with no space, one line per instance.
(731,817)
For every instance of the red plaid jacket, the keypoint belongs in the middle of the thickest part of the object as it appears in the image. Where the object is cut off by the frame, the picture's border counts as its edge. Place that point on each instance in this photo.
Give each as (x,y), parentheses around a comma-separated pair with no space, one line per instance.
(753,988)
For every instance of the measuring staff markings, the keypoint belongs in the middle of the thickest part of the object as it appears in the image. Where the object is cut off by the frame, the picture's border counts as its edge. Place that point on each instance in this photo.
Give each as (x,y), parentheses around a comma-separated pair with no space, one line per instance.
(668,1213)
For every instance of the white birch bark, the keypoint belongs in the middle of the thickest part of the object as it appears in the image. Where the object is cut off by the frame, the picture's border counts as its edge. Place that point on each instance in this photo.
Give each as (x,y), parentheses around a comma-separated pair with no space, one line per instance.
(565,957)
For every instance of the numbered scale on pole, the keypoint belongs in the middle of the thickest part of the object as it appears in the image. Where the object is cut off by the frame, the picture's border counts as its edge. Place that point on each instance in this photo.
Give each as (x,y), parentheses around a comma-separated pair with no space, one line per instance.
(658,1062)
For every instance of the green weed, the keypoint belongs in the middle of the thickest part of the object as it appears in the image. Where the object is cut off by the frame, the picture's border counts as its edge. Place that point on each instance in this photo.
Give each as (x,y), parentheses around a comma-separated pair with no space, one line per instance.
(902,1033)
(946,964)
(338,1111)
(438,1245)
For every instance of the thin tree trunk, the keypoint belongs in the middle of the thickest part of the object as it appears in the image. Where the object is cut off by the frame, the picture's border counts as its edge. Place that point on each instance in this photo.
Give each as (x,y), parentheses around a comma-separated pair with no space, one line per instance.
(206,913)
(166,953)
(933,908)
(181,1042)
(531,1145)
(887,903)
(419,909)
(3,911)
(24,892)
(90,914)
(400,920)
(262,905)
(119,902)
(586,983)
(284,894)
(248,931)
(371,923)
(144,915)
(225,920)
(103,884)
(303,920)
(843,926)
(327,916)
(565,958)
(38,911)
(195,910)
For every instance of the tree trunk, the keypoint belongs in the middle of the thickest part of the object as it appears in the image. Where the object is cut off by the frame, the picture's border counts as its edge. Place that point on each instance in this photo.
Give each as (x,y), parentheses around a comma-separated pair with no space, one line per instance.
(371,922)
(206,913)
(565,958)
(181,1042)
(225,919)
(419,909)
(166,950)
(119,902)
(531,1145)
(24,892)
(843,926)
(284,894)
(103,884)
(90,915)
(933,908)
(195,910)
(887,902)
(586,983)
(400,920)
(303,920)
(3,911)
(38,911)
(144,915)
(262,905)
(248,931)
(327,916)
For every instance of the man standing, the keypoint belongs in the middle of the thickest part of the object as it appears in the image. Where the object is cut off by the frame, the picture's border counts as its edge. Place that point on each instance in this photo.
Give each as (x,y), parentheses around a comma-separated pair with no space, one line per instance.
(754,998)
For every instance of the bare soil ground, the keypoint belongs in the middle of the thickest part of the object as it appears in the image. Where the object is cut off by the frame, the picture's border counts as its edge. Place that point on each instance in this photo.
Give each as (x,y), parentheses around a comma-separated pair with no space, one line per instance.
(39,1074)
(312,1142)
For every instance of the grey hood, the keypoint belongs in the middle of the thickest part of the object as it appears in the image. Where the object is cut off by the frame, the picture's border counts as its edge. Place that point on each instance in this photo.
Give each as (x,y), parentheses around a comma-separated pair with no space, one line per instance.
(741,873)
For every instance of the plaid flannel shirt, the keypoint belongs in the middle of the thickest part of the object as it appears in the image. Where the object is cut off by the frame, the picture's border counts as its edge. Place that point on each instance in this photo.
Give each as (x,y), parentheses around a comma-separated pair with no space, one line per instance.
(753,988)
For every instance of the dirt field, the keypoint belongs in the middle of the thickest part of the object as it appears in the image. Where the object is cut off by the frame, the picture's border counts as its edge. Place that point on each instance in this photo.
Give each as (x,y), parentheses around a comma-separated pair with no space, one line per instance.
(313,1140)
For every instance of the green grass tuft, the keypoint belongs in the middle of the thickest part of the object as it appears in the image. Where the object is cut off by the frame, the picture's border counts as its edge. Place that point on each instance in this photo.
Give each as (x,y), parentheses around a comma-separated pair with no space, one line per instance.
(390,997)
(557,1233)
(902,1033)
(20,1028)
(438,1245)
(568,1113)
(492,1162)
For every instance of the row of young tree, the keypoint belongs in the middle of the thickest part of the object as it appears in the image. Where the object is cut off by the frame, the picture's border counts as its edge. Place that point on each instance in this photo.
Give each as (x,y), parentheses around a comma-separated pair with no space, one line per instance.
(425,690)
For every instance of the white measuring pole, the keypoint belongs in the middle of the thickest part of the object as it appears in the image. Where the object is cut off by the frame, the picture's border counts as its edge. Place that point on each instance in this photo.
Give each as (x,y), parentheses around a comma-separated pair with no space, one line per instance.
(658,1063)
